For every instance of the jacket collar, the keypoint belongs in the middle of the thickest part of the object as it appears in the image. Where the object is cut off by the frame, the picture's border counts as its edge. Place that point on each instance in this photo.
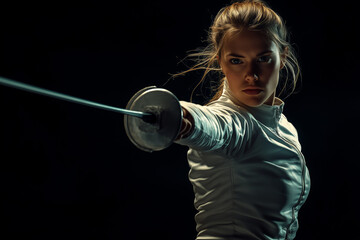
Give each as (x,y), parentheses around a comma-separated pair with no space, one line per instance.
(266,114)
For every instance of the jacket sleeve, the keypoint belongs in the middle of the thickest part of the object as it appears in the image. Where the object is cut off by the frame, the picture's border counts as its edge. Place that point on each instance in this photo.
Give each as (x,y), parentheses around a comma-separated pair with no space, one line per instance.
(215,127)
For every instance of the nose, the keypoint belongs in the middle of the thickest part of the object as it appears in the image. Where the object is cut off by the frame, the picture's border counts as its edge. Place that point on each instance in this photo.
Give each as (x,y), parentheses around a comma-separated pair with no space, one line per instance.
(251,77)
(251,74)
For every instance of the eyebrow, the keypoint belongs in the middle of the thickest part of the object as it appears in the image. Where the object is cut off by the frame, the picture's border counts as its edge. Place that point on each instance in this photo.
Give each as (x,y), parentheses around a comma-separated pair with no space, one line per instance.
(240,56)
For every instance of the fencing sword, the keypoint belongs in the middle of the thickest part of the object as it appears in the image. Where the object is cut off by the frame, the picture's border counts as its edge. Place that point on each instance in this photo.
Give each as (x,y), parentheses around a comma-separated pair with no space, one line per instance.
(152,118)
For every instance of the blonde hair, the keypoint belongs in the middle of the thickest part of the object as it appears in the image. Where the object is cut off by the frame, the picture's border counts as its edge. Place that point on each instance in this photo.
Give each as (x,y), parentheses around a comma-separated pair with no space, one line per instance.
(252,15)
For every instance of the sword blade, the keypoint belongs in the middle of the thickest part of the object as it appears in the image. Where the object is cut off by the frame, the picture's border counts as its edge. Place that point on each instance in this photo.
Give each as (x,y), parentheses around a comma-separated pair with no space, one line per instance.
(149,117)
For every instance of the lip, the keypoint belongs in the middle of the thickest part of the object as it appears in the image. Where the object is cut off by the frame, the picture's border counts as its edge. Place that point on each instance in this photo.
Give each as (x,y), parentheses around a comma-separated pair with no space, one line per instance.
(252,91)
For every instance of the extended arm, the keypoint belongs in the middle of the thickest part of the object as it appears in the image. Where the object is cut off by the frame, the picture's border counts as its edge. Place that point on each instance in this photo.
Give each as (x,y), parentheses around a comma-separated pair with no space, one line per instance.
(210,128)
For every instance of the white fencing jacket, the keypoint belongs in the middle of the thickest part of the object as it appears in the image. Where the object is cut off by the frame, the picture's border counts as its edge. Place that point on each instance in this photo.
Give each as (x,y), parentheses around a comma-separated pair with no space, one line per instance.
(247,170)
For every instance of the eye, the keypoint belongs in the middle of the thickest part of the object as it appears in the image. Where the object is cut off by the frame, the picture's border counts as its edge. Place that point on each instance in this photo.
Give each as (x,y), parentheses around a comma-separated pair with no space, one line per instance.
(265,59)
(236,61)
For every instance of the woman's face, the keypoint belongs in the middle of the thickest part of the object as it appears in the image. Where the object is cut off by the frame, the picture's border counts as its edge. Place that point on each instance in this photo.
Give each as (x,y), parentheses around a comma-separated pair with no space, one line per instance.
(251,64)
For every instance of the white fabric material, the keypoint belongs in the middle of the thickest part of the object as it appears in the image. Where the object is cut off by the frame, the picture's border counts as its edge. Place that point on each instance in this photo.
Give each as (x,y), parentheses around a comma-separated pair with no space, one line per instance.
(247,170)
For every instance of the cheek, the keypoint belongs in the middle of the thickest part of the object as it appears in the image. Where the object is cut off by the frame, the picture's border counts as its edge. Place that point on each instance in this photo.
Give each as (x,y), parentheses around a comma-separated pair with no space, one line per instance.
(234,79)
(270,73)
(270,69)
(233,72)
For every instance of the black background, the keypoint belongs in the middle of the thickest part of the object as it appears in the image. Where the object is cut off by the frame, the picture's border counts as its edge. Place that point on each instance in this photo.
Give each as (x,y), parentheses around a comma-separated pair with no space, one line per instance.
(69,171)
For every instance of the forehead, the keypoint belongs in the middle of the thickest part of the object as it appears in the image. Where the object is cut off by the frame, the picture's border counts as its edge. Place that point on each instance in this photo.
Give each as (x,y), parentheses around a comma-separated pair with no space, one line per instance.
(248,42)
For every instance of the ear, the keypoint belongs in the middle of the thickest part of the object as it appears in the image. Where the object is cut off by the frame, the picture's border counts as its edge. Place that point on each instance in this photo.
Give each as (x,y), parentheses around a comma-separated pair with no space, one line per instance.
(283,57)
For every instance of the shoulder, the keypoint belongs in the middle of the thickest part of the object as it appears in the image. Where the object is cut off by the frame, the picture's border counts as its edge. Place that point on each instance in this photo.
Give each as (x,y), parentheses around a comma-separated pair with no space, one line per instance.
(288,126)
